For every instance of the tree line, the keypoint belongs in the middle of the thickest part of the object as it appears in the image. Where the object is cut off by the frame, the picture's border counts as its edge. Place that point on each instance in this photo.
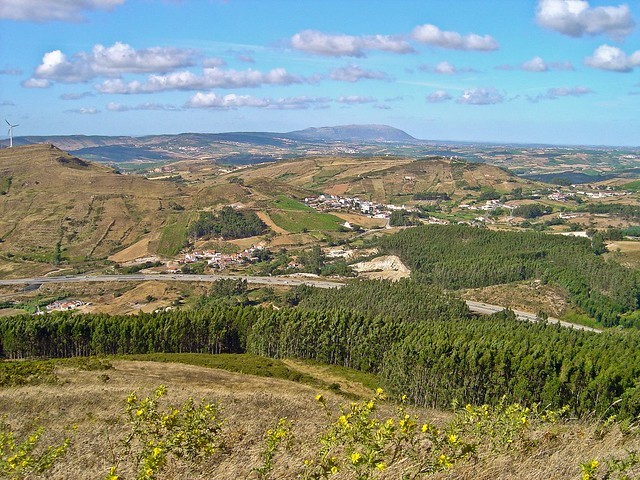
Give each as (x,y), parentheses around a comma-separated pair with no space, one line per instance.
(421,341)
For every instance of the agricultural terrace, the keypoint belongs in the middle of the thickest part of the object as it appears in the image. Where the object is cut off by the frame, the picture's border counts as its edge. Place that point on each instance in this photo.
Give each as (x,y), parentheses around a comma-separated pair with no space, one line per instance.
(296,217)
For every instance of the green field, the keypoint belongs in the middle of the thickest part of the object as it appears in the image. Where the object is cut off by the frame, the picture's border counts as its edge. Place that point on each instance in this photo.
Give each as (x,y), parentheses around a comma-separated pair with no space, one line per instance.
(632,186)
(285,203)
(5,183)
(233,362)
(297,222)
(174,235)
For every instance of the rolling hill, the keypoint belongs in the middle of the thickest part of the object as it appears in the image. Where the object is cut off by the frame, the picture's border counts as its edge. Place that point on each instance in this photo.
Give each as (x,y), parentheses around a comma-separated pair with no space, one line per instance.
(58,206)
(385,179)
(59,209)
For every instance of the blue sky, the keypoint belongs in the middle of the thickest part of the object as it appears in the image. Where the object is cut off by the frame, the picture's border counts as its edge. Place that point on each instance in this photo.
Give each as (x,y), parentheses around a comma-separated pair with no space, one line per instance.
(526,71)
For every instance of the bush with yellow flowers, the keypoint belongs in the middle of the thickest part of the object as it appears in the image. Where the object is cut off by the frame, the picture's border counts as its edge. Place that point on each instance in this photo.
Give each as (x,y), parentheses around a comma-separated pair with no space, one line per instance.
(190,431)
(23,459)
(361,445)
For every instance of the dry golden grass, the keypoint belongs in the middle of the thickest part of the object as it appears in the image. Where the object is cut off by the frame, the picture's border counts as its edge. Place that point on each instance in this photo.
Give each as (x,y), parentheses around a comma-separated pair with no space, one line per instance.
(137,250)
(362,220)
(380,178)
(264,216)
(9,312)
(626,252)
(136,299)
(529,296)
(87,207)
(251,405)
(112,298)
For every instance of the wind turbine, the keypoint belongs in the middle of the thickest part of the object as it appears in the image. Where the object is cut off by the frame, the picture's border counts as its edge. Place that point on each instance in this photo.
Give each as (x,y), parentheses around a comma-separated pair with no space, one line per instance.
(11,127)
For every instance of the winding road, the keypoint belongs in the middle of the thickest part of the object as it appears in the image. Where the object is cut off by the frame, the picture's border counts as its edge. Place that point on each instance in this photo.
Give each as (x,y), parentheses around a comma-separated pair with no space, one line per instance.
(476,307)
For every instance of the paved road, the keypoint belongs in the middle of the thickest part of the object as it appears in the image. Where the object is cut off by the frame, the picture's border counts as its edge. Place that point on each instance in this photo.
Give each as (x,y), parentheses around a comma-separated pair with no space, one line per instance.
(167,277)
(487,309)
(477,307)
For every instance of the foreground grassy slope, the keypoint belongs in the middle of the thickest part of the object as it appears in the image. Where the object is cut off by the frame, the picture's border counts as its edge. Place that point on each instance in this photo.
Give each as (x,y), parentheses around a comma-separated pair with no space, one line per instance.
(94,401)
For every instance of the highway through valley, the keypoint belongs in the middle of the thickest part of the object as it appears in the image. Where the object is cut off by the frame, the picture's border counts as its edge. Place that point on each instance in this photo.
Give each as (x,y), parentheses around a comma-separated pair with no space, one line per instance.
(476,307)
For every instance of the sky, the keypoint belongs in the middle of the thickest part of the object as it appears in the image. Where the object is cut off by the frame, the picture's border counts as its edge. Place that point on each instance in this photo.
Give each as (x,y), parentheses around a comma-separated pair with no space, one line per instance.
(507,71)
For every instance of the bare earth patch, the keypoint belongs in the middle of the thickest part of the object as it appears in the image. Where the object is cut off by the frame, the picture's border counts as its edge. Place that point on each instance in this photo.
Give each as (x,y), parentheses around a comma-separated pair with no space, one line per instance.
(387,267)
(132,252)
(626,252)
(337,189)
(363,221)
(264,216)
(530,296)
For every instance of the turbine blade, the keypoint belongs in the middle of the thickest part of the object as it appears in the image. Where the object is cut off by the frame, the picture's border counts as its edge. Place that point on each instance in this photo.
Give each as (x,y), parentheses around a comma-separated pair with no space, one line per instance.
(7,122)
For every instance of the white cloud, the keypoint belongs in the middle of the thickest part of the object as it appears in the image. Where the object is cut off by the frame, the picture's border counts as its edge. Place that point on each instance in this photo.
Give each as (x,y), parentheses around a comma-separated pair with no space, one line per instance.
(444,68)
(36,83)
(84,111)
(355,99)
(7,103)
(354,73)
(558,92)
(118,107)
(298,103)
(432,35)
(480,96)
(439,96)
(320,43)
(537,64)
(112,61)
(52,10)
(210,78)
(122,58)
(212,100)
(75,96)
(577,18)
(606,57)
(232,101)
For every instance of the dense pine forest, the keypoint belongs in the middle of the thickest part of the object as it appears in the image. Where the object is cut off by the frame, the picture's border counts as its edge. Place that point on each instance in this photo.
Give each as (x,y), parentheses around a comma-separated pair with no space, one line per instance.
(229,223)
(419,340)
(457,256)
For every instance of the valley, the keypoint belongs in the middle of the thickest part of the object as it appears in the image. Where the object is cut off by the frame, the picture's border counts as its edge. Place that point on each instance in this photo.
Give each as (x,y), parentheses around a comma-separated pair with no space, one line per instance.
(259,285)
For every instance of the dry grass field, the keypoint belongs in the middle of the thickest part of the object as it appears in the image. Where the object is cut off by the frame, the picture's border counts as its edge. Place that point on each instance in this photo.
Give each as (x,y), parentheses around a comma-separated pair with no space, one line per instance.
(529,296)
(87,209)
(382,179)
(627,252)
(93,402)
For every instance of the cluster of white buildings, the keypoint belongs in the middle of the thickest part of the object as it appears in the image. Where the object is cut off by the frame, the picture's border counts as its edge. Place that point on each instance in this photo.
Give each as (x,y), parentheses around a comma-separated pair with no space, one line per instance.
(221,260)
(335,202)
(489,206)
(64,305)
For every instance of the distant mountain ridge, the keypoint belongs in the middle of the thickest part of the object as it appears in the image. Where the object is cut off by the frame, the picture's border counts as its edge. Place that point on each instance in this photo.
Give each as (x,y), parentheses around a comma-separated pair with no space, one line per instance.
(228,147)
(354,133)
